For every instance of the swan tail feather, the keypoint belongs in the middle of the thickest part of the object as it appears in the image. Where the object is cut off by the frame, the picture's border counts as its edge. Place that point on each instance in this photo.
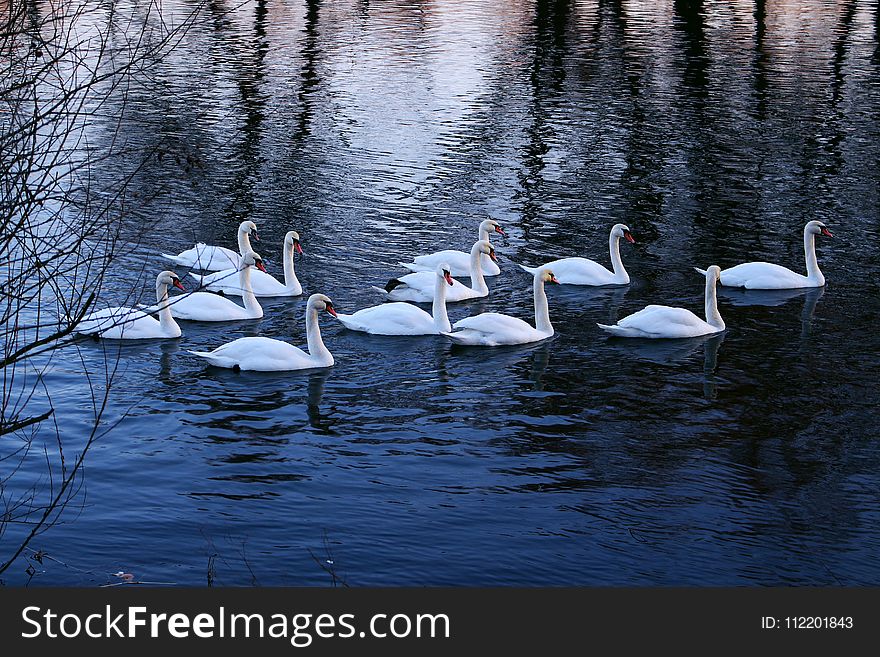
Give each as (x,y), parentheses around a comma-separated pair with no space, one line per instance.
(619,331)
(700,271)
(379,290)
(455,336)
(213,359)
(413,267)
(530,270)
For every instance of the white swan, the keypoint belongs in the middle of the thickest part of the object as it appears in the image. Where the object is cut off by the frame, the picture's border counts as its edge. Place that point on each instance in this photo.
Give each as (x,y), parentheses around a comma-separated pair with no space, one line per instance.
(268,355)
(767,276)
(210,307)
(263,284)
(121,323)
(419,286)
(401,318)
(459,262)
(494,329)
(667,322)
(217,258)
(581,271)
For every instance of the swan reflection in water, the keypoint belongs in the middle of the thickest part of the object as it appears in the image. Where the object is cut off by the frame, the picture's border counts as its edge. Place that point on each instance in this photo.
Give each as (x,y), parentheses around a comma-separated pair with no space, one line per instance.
(323,422)
(673,351)
(772,298)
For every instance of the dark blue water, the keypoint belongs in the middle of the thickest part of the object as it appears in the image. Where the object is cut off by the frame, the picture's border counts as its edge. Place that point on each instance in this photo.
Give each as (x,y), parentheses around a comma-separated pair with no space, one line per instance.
(382,131)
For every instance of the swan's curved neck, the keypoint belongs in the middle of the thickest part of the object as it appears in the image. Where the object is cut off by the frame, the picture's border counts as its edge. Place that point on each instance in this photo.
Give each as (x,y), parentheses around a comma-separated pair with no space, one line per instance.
(542,310)
(317,350)
(616,262)
(484,234)
(438,307)
(247,292)
(813,272)
(478,283)
(166,319)
(244,242)
(290,279)
(713,317)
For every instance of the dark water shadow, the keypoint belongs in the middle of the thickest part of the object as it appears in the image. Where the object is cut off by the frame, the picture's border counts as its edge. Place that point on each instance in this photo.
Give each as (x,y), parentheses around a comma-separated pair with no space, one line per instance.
(742,297)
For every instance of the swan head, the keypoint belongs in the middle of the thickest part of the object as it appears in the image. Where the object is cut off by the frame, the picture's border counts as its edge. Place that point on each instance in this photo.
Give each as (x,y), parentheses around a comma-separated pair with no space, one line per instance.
(622,230)
(320,302)
(817,228)
(169,278)
(249,228)
(713,273)
(491,226)
(444,271)
(252,259)
(546,276)
(291,239)
(483,246)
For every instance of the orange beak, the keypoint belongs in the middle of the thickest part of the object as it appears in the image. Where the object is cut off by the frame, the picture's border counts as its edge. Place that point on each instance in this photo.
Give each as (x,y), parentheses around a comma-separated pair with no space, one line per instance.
(826,232)
(493,256)
(448,277)
(331,310)
(553,279)
(297,247)
(499,230)
(260,266)
(179,285)
(629,237)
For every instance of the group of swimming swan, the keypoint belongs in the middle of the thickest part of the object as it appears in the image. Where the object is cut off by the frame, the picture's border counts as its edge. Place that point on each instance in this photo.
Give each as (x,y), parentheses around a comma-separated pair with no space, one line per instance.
(430,281)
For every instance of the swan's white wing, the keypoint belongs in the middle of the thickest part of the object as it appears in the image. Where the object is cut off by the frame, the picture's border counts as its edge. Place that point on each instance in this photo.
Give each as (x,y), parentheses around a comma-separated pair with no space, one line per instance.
(120,322)
(263,284)
(419,280)
(419,287)
(217,279)
(258,354)
(762,276)
(449,256)
(392,319)
(580,271)
(494,329)
(210,258)
(654,317)
(491,322)
(205,306)
(661,322)
(459,263)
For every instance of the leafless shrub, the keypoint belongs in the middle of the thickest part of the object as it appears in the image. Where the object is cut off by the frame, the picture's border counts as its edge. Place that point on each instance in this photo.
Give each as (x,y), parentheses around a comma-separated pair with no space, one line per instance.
(64,70)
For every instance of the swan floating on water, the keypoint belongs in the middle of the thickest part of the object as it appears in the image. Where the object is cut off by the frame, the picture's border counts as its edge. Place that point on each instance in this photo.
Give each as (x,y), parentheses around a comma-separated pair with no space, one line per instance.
(261,354)
(216,258)
(768,276)
(121,323)
(419,286)
(582,271)
(210,307)
(668,322)
(459,262)
(495,329)
(401,318)
(262,284)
